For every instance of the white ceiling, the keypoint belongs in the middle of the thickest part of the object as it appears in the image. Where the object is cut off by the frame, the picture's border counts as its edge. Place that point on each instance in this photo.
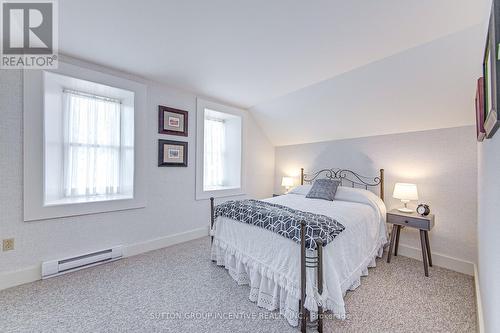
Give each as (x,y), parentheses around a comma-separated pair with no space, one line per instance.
(297,62)
(427,87)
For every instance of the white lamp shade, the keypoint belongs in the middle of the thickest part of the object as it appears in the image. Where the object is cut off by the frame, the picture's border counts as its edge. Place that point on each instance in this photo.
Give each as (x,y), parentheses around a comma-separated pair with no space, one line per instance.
(287,181)
(405,191)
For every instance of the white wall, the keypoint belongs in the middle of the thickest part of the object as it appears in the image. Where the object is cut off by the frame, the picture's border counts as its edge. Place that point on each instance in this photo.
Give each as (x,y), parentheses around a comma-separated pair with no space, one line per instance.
(441,162)
(171,206)
(489,230)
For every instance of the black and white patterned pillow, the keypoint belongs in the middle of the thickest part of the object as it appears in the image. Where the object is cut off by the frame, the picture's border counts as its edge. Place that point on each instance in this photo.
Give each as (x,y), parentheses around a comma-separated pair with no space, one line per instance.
(323,189)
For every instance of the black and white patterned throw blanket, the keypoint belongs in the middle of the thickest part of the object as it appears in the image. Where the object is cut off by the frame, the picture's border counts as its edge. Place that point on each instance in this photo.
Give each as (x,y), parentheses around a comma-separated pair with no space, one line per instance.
(282,220)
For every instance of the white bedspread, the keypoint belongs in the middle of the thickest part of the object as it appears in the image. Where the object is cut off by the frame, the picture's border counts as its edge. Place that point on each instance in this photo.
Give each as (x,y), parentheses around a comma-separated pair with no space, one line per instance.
(270,263)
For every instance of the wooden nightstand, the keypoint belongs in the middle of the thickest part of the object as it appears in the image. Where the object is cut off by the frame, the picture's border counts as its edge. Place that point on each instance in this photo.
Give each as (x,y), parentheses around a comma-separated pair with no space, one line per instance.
(423,223)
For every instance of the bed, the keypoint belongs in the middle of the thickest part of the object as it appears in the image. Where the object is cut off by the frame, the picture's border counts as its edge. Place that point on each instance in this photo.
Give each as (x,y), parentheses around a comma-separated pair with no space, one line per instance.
(301,283)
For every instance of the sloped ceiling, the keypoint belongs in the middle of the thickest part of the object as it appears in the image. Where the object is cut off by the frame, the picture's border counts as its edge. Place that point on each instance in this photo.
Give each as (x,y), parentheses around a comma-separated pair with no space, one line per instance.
(308,71)
(427,87)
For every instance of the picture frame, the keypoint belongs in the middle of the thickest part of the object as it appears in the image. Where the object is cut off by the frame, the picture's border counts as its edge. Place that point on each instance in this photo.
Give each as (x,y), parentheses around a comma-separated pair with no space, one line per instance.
(480,131)
(491,79)
(172,121)
(172,153)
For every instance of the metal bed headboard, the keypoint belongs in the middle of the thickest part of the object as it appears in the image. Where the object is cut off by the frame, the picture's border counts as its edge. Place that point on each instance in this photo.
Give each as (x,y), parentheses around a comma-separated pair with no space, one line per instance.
(346,176)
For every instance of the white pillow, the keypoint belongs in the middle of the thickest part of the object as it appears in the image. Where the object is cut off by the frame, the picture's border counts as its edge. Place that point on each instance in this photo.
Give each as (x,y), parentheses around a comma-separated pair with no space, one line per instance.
(345,193)
(301,189)
(362,196)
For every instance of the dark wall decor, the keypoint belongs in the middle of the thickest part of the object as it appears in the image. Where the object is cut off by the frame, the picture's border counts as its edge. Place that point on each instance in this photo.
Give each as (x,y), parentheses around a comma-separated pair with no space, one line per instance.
(172,121)
(491,78)
(480,131)
(172,153)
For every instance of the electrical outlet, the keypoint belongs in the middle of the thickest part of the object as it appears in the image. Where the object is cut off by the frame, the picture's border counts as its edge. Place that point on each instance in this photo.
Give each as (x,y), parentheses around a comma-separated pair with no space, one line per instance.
(8,244)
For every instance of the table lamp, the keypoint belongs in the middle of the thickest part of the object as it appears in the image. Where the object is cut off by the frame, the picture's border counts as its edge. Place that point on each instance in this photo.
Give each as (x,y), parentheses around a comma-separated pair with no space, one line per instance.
(405,192)
(287,182)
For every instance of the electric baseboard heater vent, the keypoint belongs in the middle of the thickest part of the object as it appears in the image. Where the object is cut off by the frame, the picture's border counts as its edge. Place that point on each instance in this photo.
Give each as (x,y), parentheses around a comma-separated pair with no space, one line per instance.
(62,266)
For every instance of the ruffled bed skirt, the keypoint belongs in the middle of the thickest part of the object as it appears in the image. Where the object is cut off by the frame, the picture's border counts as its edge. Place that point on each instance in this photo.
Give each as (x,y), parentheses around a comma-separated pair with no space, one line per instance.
(274,292)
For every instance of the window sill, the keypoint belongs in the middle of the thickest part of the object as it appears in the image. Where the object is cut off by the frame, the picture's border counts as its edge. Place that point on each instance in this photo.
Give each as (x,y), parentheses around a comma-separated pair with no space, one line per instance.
(220,193)
(83,199)
(60,210)
(220,188)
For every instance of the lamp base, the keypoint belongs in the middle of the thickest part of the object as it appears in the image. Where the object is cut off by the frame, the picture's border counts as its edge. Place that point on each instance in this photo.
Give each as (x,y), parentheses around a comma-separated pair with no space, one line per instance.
(406,210)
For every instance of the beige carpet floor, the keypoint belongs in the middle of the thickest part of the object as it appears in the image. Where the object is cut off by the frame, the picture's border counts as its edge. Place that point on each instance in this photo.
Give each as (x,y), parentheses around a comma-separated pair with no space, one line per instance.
(178,289)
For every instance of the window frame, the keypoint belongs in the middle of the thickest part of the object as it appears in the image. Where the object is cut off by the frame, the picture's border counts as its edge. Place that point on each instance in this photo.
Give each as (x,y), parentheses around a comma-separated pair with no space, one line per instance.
(34,146)
(201,105)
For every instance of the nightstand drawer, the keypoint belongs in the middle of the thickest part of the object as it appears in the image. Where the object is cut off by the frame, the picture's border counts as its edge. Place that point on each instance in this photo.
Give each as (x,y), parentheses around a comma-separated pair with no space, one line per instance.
(414,222)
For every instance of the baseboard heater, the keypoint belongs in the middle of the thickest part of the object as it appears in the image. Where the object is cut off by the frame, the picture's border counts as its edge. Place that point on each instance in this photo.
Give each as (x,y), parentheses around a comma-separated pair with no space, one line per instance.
(62,266)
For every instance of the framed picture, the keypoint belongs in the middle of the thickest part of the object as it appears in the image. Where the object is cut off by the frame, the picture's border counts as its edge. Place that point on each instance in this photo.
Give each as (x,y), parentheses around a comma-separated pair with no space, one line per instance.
(491,79)
(172,153)
(172,121)
(480,131)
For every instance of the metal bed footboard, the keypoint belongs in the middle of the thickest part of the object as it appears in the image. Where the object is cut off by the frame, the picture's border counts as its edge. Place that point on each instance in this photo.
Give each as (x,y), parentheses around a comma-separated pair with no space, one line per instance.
(314,261)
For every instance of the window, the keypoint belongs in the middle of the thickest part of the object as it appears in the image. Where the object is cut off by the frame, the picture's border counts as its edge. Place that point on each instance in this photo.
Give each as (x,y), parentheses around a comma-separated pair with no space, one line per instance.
(215,148)
(84,144)
(89,141)
(92,145)
(219,154)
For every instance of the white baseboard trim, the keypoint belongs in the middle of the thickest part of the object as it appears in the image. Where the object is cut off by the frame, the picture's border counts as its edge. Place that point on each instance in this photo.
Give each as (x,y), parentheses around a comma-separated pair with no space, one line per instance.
(21,276)
(479,306)
(161,242)
(33,273)
(441,260)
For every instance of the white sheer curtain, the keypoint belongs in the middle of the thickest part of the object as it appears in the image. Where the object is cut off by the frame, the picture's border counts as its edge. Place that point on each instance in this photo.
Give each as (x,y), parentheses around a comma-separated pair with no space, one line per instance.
(215,147)
(91,145)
